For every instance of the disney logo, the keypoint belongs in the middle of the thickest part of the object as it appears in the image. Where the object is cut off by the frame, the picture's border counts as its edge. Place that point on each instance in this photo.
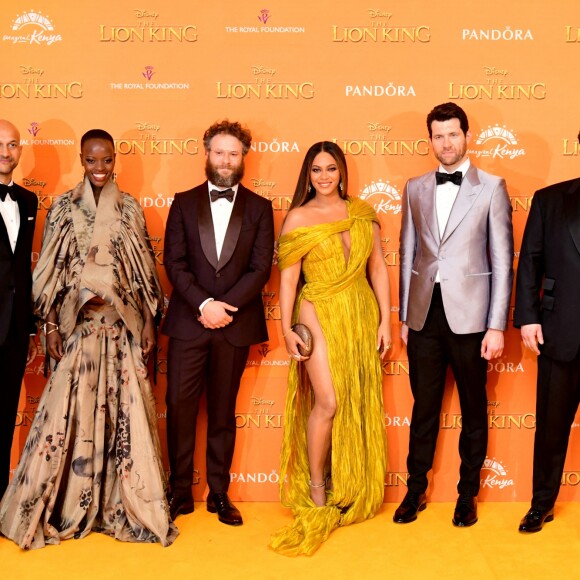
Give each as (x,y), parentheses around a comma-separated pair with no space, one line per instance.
(146,14)
(30,70)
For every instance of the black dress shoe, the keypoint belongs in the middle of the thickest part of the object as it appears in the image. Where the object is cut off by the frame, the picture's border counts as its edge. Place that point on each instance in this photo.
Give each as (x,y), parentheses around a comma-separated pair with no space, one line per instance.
(410,506)
(227,512)
(534,520)
(180,504)
(465,511)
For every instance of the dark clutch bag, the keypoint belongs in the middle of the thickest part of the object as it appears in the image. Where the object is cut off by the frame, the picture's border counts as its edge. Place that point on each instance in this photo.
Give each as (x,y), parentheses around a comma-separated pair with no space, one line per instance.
(306,336)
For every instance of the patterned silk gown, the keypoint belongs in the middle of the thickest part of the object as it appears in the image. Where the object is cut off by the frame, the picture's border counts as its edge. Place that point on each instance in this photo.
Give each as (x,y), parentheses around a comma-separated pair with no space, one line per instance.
(92,458)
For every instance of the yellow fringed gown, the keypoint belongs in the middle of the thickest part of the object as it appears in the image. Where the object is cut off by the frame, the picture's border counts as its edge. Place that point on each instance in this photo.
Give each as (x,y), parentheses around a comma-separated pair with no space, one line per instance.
(348,314)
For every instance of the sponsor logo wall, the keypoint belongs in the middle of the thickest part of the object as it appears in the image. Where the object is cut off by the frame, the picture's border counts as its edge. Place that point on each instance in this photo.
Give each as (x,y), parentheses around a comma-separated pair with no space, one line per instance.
(157,75)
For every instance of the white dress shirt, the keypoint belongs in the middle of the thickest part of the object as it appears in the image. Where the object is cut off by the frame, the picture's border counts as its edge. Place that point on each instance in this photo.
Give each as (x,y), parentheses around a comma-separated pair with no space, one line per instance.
(11,216)
(445,195)
(221,212)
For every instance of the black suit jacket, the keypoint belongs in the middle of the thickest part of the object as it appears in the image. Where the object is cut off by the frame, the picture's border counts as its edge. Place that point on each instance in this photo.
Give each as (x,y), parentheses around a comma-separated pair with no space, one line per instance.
(548,280)
(237,278)
(15,270)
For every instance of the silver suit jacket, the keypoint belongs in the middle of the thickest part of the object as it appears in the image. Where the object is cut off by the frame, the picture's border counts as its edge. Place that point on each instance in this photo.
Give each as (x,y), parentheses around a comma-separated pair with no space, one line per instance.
(474,255)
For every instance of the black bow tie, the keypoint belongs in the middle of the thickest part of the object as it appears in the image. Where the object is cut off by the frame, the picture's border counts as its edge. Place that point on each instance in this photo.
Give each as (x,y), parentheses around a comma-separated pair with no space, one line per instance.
(6,190)
(228,194)
(441,178)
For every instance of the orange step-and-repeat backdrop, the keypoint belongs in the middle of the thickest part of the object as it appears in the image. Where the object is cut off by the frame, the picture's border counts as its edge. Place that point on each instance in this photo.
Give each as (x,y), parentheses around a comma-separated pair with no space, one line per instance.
(156,75)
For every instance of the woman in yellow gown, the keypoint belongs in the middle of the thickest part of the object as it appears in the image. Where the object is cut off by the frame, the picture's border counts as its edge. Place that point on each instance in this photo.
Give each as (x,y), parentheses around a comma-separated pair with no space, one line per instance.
(333,459)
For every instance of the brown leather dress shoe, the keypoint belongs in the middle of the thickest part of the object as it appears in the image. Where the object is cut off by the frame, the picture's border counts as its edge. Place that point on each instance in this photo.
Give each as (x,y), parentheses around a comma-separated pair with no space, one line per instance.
(412,504)
(534,520)
(180,504)
(227,512)
(465,514)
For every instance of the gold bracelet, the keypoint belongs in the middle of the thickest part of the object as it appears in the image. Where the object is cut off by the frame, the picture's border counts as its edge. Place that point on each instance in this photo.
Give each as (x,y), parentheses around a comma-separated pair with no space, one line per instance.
(285,335)
(52,330)
(44,327)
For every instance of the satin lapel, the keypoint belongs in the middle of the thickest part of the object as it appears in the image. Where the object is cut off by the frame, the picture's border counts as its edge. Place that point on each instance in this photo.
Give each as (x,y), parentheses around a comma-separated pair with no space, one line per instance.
(572,212)
(205,225)
(466,196)
(427,199)
(234,228)
(23,209)
(4,232)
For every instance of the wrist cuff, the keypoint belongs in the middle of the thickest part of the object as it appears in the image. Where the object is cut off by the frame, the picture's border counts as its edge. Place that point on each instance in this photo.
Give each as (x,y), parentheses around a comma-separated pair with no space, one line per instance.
(202,305)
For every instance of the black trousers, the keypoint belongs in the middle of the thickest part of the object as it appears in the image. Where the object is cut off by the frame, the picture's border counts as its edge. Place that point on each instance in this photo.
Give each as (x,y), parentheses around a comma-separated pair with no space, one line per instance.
(212,364)
(558,395)
(13,355)
(431,350)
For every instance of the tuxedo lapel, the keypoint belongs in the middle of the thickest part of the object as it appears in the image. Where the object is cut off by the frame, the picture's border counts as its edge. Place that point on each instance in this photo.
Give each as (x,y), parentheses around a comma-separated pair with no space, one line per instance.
(23,213)
(470,188)
(23,209)
(427,199)
(205,225)
(4,234)
(572,212)
(234,228)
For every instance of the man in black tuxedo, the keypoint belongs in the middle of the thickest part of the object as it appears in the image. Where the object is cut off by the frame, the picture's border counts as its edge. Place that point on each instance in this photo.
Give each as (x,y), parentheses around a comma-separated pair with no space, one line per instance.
(17,328)
(548,313)
(219,244)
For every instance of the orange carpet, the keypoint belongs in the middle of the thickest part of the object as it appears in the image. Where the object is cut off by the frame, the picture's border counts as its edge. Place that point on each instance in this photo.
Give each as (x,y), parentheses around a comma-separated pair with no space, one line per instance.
(428,548)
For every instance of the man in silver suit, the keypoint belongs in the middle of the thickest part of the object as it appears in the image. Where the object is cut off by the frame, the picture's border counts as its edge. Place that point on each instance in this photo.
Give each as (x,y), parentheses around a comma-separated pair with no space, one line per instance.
(456,272)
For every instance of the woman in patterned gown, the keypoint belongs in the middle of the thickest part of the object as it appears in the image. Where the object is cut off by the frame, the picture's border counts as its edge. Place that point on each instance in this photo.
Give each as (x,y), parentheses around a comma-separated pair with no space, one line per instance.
(333,459)
(92,457)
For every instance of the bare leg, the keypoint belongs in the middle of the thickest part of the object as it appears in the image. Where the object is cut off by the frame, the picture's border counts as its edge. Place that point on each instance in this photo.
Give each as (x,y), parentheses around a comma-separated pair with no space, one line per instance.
(319,436)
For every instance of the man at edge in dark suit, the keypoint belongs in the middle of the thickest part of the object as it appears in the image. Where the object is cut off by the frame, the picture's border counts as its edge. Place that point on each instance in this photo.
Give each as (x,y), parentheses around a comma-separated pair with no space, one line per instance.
(17,328)
(548,313)
(219,245)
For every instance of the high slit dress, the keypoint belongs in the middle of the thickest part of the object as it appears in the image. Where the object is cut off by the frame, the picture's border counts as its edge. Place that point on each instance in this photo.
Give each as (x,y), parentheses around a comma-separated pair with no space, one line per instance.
(348,314)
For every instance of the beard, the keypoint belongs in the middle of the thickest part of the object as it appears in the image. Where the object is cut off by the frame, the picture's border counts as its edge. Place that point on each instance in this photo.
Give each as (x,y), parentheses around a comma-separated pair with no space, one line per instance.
(458,156)
(213,175)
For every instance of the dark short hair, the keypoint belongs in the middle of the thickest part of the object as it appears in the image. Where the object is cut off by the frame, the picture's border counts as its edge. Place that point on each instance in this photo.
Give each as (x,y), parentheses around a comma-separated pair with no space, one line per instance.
(304,192)
(225,127)
(97,134)
(445,112)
